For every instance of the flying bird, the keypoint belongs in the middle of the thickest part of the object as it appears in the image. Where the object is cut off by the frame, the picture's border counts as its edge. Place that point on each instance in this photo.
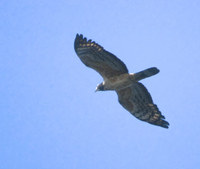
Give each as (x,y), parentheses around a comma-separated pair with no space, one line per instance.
(132,94)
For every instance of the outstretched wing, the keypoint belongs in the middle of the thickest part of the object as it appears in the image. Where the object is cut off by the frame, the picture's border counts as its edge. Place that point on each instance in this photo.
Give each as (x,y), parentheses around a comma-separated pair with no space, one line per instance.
(137,100)
(94,56)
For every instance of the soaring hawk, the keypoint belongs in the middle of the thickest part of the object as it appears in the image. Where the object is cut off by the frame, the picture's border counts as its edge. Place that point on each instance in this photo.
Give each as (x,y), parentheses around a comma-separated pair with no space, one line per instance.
(132,95)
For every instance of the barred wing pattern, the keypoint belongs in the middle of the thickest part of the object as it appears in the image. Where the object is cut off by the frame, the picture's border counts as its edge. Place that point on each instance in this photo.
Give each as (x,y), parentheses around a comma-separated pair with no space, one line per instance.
(94,56)
(137,100)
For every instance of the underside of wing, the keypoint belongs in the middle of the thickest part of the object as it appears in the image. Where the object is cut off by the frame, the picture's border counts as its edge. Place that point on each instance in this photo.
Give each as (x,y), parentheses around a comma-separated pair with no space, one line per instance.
(137,100)
(94,56)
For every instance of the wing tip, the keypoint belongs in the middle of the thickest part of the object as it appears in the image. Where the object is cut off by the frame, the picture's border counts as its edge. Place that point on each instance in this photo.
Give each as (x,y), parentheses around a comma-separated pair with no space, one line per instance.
(79,35)
(78,39)
(162,123)
(165,125)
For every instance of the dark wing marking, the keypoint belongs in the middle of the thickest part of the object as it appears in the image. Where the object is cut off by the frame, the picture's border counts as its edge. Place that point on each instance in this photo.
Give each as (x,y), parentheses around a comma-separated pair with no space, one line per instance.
(94,56)
(137,100)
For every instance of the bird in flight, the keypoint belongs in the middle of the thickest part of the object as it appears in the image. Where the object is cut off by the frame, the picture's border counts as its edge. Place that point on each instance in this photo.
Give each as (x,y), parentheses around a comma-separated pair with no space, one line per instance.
(132,94)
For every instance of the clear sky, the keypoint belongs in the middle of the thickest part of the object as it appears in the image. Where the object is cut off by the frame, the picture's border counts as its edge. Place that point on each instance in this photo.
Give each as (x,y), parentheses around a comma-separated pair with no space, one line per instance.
(50,116)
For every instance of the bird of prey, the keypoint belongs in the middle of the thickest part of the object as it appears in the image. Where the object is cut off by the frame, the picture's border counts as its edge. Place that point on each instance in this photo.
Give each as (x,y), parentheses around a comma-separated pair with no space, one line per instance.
(132,94)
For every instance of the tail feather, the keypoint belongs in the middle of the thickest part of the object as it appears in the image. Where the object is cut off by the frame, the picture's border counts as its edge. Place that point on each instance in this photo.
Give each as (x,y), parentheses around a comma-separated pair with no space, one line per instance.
(146,73)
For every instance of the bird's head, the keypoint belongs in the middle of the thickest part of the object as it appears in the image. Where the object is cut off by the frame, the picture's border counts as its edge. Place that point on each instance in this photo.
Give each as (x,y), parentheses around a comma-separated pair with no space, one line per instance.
(100,87)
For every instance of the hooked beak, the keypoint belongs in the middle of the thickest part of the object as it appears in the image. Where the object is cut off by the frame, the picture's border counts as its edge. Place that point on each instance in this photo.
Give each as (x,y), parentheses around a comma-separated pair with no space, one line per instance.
(96,90)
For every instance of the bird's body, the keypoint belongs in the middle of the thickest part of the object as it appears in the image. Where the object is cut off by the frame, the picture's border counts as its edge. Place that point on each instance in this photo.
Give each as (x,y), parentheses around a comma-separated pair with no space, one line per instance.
(132,95)
(119,82)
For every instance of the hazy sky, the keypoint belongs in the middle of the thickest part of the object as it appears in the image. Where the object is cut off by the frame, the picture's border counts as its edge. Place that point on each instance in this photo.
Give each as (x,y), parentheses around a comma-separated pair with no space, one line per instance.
(51,118)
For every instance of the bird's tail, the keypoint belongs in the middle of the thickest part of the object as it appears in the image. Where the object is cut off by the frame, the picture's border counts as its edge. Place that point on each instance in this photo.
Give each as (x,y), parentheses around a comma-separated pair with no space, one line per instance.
(145,73)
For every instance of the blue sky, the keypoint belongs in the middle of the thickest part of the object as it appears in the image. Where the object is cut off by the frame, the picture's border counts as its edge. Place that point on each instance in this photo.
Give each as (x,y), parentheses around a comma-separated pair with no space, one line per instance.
(50,115)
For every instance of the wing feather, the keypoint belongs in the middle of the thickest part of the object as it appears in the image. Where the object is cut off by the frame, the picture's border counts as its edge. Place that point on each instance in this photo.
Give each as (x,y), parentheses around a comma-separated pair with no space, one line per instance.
(95,57)
(137,100)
